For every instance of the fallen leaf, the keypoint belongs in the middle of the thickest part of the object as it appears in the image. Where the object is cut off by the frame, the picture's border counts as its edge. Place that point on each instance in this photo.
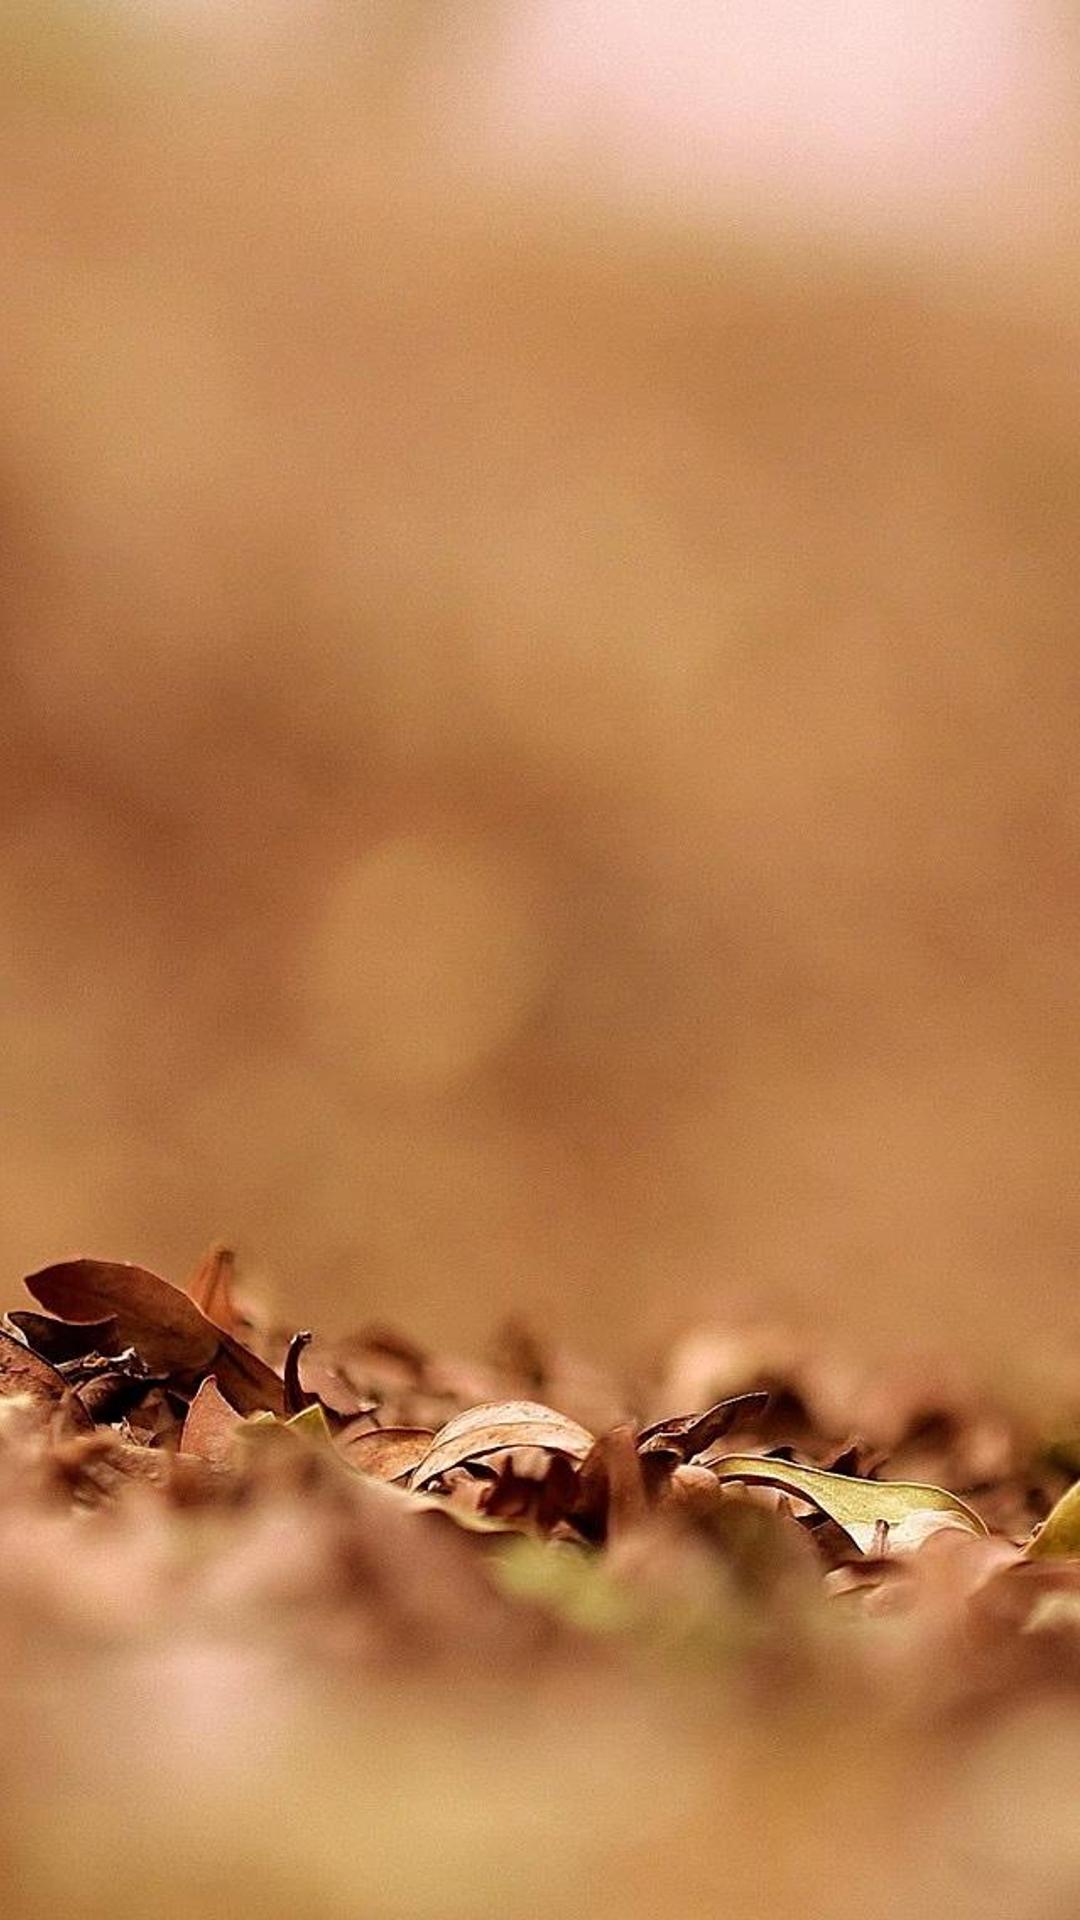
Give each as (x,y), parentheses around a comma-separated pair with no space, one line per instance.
(1059,1535)
(387,1453)
(210,1286)
(211,1425)
(248,1382)
(166,1328)
(627,1501)
(309,1382)
(26,1373)
(171,1334)
(495,1428)
(859,1507)
(691,1433)
(108,1395)
(63,1340)
(311,1423)
(571,1581)
(541,1502)
(297,1396)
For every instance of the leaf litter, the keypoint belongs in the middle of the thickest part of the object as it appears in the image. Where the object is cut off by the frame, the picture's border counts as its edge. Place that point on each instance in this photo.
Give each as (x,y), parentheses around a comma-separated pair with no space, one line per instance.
(744,1514)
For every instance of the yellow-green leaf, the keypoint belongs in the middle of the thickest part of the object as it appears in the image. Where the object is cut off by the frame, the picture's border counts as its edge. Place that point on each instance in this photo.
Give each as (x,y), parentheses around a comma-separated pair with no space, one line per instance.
(858,1507)
(1059,1536)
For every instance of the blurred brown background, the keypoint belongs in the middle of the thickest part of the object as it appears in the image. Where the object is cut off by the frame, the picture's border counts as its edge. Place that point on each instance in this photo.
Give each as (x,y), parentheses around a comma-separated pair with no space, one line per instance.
(539,671)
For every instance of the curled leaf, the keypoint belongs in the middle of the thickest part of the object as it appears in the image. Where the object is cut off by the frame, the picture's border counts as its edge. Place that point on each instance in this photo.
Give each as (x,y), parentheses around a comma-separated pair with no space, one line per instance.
(1058,1537)
(690,1434)
(863,1509)
(309,1382)
(210,1286)
(296,1395)
(495,1429)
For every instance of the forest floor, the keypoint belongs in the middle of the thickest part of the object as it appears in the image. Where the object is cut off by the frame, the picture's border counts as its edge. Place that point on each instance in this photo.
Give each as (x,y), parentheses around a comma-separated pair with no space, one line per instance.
(296,1626)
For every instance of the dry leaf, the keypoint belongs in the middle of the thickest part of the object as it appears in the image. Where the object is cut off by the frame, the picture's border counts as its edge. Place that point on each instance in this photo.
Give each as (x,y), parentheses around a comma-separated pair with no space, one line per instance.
(211,1425)
(619,1462)
(27,1374)
(308,1382)
(690,1434)
(210,1286)
(63,1340)
(495,1429)
(170,1333)
(387,1453)
(167,1328)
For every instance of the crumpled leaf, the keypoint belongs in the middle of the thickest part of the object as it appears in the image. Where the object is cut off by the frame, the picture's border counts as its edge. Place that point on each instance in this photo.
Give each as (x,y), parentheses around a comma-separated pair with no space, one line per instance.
(1059,1535)
(109,1395)
(494,1428)
(248,1382)
(27,1374)
(169,1331)
(861,1508)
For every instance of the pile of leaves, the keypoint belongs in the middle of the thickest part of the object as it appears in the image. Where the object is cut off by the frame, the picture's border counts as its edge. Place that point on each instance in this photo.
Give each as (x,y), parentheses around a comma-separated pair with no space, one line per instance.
(751,1534)
(130,1379)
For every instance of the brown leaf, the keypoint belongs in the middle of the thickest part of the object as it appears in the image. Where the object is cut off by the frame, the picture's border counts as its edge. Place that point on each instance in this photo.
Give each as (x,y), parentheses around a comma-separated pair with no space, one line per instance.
(248,1382)
(170,1333)
(309,1382)
(543,1502)
(108,1394)
(63,1340)
(211,1425)
(388,1453)
(495,1429)
(691,1433)
(210,1286)
(154,1420)
(165,1327)
(297,1396)
(627,1499)
(26,1373)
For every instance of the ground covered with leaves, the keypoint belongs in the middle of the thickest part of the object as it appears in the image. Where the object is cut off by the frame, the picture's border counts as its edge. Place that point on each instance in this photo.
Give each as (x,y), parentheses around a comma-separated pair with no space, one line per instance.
(294,1625)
